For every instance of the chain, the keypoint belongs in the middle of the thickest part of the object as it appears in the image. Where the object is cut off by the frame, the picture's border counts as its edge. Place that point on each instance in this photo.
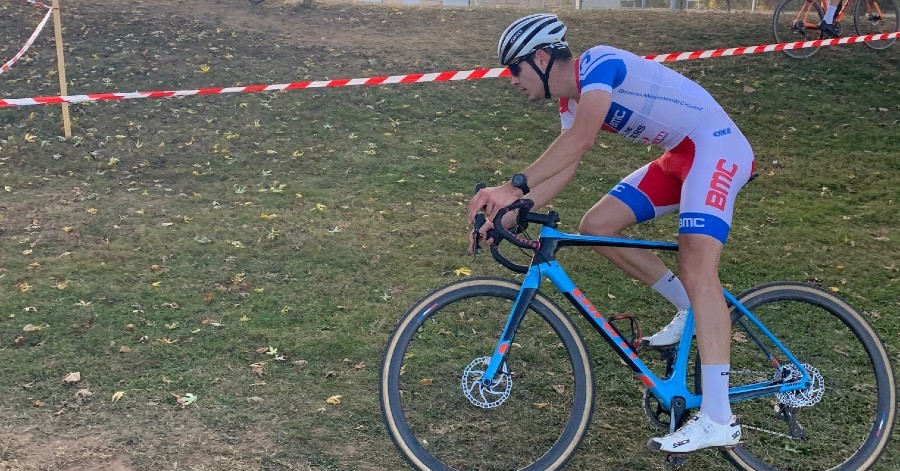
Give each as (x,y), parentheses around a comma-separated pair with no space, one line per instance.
(751,372)
(777,434)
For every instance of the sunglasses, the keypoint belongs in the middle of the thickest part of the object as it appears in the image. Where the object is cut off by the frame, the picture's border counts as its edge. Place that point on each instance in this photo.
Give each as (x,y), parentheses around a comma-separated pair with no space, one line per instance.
(516,68)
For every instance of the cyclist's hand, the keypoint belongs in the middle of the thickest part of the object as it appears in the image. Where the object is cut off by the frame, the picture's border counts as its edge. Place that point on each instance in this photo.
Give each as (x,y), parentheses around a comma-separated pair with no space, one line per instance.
(509,222)
(491,200)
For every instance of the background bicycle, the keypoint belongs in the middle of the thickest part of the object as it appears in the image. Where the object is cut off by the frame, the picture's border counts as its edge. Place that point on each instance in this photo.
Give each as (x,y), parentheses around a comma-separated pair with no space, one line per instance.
(798,20)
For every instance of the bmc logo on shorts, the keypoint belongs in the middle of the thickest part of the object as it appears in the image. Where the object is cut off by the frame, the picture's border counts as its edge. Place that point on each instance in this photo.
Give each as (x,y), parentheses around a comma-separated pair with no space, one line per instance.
(617,117)
(722,132)
(694,223)
(719,185)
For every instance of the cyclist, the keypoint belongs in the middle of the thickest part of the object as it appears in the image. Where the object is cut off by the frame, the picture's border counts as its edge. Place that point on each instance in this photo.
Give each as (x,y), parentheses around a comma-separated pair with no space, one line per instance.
(827,24)
(706,162)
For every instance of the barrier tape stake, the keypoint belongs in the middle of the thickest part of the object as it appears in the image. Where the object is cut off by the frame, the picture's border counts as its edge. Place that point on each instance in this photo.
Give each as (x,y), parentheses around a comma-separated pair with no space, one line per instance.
(61,66)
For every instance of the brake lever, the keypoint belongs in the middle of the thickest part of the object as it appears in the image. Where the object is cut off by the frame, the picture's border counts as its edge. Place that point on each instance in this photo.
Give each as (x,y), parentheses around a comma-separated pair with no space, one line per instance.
(476,234)
(480,219)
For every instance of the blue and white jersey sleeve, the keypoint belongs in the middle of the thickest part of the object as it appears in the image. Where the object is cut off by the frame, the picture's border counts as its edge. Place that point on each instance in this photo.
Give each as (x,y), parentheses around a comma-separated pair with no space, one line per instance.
(603,70)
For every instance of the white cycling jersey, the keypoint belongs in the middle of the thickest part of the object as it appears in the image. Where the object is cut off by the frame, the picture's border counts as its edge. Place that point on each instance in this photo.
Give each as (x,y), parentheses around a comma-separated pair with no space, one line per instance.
(651,103)
(707,159)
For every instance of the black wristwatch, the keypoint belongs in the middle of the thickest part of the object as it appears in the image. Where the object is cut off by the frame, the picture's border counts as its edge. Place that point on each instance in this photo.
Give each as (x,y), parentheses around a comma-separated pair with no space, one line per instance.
(520,181)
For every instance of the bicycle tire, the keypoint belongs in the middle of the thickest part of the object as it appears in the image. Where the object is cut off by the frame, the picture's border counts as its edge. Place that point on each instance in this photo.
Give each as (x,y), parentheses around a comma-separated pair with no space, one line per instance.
(869,390)
(426,444)
(866,21)
(785,31)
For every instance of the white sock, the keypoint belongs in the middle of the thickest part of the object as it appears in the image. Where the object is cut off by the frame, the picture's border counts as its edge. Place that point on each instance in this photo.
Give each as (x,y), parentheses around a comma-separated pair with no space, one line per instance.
(714,380)
(671,288)
(829,14)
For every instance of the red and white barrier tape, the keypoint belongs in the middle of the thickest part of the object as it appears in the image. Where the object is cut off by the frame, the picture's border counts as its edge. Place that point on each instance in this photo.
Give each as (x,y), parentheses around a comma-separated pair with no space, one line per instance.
(420,78)
(37,32)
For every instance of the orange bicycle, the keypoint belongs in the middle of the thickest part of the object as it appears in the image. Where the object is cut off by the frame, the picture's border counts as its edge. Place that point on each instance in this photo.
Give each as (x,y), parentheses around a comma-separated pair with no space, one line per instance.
(798,20)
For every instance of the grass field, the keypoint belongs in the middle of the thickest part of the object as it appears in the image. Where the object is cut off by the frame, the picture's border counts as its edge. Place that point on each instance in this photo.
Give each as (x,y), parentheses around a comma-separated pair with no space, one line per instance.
(217,268)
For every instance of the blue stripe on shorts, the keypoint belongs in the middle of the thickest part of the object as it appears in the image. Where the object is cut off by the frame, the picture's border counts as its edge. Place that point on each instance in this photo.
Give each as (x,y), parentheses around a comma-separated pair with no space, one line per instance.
(699,223)
(636,200)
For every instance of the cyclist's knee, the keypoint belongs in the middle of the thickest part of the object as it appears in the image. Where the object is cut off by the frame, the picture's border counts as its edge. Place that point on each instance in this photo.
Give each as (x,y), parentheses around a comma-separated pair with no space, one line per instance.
(698,261)
(608,218)
(598,227)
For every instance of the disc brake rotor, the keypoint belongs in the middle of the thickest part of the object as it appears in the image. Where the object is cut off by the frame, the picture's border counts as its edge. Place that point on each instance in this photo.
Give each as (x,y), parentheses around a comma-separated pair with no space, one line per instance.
(480,394)
(806,397)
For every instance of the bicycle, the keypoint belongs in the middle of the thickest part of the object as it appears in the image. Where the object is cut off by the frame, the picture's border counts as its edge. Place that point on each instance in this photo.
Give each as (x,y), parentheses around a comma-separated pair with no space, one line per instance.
(798,20)
(447,376)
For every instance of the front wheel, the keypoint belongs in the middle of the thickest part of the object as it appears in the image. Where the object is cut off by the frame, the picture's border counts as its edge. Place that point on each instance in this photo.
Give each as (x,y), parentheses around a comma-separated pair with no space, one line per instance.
(876,17)
(798,20)
(441,416)
(843,420)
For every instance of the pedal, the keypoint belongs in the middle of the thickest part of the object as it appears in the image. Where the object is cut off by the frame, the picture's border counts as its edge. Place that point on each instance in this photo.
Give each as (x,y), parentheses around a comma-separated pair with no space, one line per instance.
(676,460)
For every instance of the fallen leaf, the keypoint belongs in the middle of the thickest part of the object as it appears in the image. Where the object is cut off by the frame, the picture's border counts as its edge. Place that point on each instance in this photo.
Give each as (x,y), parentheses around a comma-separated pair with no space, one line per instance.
(187,399)
(73,377)
(124,349)
(559,388)
(425,381)
(33,327)
(117,395)
(259,369)
(541,405)
(334,400)
(463,271)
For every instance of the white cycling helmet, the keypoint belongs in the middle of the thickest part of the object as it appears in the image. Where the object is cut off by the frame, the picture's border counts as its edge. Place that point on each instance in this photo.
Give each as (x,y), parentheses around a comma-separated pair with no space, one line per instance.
(530,33)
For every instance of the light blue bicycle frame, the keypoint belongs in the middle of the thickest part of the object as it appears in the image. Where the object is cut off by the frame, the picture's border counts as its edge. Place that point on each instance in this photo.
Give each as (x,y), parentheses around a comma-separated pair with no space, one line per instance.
(666,389)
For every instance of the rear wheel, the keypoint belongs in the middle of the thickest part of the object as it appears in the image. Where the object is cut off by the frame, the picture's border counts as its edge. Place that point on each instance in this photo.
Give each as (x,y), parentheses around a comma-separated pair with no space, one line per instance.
(843,420)
(798,20)
(876,17)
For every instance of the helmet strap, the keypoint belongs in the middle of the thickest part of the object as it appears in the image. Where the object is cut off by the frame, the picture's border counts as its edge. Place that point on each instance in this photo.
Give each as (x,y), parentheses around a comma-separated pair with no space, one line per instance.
(544,75)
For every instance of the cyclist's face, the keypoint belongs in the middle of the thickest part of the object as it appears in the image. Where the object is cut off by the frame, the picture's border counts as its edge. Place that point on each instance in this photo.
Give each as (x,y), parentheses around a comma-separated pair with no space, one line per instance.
(525,78)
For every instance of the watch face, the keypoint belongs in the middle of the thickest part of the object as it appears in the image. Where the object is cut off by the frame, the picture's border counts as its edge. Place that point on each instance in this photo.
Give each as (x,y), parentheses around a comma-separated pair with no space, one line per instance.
(518,180)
